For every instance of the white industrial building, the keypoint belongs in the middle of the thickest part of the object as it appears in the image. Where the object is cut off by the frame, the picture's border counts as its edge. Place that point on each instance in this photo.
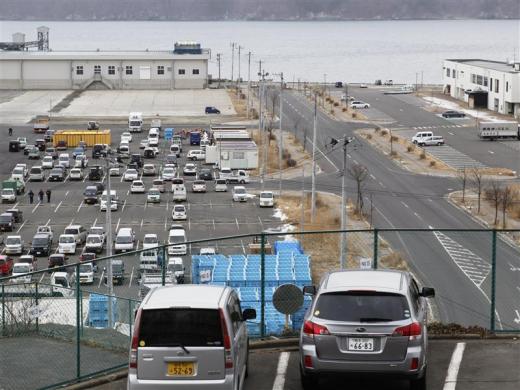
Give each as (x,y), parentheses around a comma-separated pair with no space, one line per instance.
(233,154)
(493,85)
(185,67)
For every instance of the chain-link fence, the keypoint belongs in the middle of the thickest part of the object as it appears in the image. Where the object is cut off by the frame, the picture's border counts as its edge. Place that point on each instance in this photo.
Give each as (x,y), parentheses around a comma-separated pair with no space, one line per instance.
(63,325)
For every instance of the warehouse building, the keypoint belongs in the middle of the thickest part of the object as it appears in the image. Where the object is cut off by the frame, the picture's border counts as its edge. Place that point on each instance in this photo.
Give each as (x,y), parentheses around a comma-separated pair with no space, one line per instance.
(493,85)
(185,67)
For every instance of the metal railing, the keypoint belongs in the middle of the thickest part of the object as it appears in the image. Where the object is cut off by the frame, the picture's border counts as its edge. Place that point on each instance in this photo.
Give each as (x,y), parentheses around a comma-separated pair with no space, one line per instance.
(67,331)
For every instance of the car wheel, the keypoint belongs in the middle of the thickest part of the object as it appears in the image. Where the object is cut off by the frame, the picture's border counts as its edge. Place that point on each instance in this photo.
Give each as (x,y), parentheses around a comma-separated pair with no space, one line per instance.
(418,384)
(308,381)
(366,106)
(439,144)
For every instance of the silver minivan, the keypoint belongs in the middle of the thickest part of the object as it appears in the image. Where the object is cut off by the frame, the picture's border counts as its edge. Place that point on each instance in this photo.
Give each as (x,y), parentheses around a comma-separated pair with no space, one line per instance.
(365,322)
(190,337)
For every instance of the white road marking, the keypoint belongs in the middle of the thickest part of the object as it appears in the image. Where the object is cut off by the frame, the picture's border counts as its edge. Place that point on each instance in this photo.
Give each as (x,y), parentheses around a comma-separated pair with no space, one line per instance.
(79,207)
(142,221)
(283,362)
(118,221)
(21,226)
(43,275)
(405,205)
(453,370)
(189,223)
(57,207)
(35,207)
(382,185)
(124,204)
(491,152)
(66,193)
(243,246)
(131,276)
(517,318)
(238,226)
(101,278)
(373,177)
(450,133)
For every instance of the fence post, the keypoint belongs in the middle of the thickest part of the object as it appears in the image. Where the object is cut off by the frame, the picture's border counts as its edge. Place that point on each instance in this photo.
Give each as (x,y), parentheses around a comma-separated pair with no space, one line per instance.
(38,309)
(130,317)
(78,335)
(262,285)
(376,246)
(163,266)
(3,310)
(493,278)
(81,310)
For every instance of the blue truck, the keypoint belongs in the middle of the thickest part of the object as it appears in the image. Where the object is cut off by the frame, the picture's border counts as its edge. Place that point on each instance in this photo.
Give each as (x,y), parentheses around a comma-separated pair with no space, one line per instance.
(195,138)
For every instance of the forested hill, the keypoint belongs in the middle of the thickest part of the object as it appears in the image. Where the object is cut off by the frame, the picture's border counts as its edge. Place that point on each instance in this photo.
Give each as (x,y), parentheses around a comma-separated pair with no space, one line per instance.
(257,9)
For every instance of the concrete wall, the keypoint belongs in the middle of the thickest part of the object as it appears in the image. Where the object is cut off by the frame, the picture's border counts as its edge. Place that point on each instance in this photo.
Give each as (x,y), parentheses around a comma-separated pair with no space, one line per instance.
(10,72)
(188,80)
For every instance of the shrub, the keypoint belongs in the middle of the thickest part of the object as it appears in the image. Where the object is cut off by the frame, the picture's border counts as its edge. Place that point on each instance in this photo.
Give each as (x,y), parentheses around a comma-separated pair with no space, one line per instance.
(432,163)
(285,154)
(336,104)
(384,133)
(332,111)
(377,129)
(354,115)
(393,153)
(291,162)
(369,136)
(344,109)
(395,138)
(410,148)
(422,156)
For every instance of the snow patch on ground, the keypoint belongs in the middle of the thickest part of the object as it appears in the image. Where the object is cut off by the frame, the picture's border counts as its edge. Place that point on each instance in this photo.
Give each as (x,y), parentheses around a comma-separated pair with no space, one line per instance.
(278,213)
(448,105)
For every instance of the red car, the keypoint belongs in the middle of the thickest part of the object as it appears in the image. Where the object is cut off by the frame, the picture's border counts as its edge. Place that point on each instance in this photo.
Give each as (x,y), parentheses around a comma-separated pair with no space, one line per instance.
(6,265)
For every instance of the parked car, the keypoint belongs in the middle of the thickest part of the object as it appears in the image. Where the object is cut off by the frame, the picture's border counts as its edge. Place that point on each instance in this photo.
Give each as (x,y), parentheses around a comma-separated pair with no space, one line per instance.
(360,320)
(179,212)
(150,240)
(266,199)
(198,186)
(90,195)
(78,231)
(189,169)
(359,104)
(56,260)
(149,170)
(20,270)
(144,143)
(95,173)
(6,222)
(6,265)
(168,173)
(76,174)
(221,185)
(435,140)
(57,174)
(212,110)
(389,82)
(118,272)
(94,243)
(14,245)
(78,151)
(92,125)
(150,152)
(35,154)
(239,194)
(338,84)
(159,184)
(196,155)
(219,347)
(137,187)
(8,195)
(130,175)
(41,245)
(66,244)
(205,174)
(126,137)
(47,162)
(153,195)
(421,135)
(114,171)
(453,114)
(81,161)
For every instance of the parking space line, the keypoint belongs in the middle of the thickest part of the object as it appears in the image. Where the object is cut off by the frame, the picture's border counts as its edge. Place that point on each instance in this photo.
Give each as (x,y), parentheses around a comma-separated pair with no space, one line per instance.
(43,275)
(261,223)
(243,246)
(21,226)
(453,370)
(35,207)
(118,221)
(238,226)
(57,207)
(165,221)
(283,362)
(79,207)
(101,278)
(141,227)
(189,223)
(214,227)
(124,204)
(48,221)
(66,193)
(131,276)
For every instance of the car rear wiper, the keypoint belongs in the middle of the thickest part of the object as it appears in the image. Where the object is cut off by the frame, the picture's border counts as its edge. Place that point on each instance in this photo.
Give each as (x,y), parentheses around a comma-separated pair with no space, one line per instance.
(179,345)
(374,319)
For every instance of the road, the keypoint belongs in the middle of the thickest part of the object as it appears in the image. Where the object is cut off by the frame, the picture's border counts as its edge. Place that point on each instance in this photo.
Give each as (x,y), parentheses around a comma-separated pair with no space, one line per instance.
(406,200)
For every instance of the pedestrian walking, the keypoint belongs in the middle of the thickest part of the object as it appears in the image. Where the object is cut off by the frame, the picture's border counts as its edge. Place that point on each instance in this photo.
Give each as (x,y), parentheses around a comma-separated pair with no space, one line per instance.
(10,131)
(40,195)
(48,192)
(31,196)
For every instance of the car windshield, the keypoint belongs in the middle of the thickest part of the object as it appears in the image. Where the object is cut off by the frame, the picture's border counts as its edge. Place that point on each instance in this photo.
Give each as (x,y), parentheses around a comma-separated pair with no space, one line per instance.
(85,268)
(131,172)
(7,191)
(138,184)
(240,191)
(56,260)
(179,209)
(266,195)
(5,218)
(56,171)
(188,327)
(39,241)
(71,231)
(362,306)
(93,239)
(21,268)
(176,239)
(66,240)
(90,191)
(19,171)
(123,239)
(12,240)
(168,171)
(117,268)
(153,192)
(175,267)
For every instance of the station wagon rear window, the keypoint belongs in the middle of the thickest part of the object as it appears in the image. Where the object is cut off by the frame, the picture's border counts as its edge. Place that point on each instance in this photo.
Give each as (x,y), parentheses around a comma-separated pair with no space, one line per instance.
(362,306)
(188,327)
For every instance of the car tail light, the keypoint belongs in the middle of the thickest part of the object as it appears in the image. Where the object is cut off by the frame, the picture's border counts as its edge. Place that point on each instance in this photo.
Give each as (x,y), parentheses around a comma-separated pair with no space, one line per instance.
(415,364)
(227,341)
(135,340)
(412,331)
(311,329)
(307,361)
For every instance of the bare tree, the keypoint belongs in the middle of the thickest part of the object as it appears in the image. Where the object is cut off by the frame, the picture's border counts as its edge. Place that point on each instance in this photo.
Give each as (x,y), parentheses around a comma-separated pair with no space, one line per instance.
(478,182)
(507,196)
(462,176)
(274,99)
(494,194)
(359,173)
(304,137)
(296,124)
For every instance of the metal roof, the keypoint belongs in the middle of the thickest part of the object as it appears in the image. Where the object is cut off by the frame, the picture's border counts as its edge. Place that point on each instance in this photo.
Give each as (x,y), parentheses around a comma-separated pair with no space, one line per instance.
(102,55)
(488,64)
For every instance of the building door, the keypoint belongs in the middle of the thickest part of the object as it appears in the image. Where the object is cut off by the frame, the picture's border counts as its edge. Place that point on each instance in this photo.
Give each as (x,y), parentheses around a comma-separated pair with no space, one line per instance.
(144,72)
(495,107)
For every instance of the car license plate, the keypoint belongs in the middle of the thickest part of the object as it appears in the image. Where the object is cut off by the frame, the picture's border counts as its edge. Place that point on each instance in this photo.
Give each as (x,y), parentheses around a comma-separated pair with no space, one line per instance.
(181,369)
(360,344)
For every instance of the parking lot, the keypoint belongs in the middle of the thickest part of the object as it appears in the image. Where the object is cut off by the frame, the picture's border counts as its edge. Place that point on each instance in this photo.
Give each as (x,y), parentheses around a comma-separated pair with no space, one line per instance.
(209,214)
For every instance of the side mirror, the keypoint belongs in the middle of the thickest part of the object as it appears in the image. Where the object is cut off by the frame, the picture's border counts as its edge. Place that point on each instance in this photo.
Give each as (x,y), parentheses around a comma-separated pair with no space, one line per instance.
(311,290)
(249,314)
(427,292)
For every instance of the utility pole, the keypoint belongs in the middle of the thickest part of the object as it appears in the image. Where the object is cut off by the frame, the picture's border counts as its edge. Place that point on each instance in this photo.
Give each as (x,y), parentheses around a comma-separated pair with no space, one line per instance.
(302,216)
(248,83)
(233,45)
(343,238)
(313,190)
(280,141)
(239,51)
(219,56)
(108,228)
(262,123)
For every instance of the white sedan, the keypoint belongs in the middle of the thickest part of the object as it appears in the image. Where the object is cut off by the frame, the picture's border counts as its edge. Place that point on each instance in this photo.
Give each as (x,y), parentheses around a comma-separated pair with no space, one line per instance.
(76,174)
(48,162)
(81,161)
(115,171)
(137,187)
(168,173)
(126,137)
(144,143)
(190,169)
(179,212)
(130,174)
(153,196)
(359,104)
(198,186)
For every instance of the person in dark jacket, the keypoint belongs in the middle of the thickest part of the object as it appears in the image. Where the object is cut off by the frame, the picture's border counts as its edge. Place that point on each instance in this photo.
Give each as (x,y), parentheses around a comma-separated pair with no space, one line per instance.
(31,196)
(10,131)
(40,195)
(48,192)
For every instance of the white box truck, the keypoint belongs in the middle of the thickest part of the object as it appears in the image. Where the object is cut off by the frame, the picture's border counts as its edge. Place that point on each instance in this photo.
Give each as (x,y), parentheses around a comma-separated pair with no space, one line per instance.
(135,122)
(498,130)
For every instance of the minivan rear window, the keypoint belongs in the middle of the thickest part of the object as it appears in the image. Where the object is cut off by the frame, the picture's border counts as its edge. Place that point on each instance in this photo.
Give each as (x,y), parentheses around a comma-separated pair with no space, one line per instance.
(362,306)
(188,327)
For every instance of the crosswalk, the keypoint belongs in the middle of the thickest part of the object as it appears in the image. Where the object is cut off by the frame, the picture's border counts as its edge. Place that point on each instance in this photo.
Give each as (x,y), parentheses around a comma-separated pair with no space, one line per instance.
(473,266)
(418,128)
(453,157)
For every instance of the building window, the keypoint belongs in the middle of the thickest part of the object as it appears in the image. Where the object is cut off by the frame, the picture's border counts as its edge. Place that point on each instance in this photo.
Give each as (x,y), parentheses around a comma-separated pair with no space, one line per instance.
(79,69)
(111,69)
(454,73)
(97,69)
(160,69)
(182,71)
(195,71)
(507,86)
(479,79)
(496,86)
(473,78)
(239,155)
(129,69)
(447,72)
(485,81)
(491,84)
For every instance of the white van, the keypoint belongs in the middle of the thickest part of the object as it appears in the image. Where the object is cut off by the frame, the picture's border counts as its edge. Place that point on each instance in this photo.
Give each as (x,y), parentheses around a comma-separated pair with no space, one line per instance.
(19,270)
(125,240)
(135,122)
(78,231)
(67,244)
(64,160)
(421,135)
(103,202)
(178,190)
(36,174)
(148,260)
(175,149)
(177,236)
